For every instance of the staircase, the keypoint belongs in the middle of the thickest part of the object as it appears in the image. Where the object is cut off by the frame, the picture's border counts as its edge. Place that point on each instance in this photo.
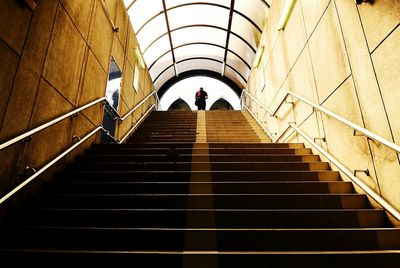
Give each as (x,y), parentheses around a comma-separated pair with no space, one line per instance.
(163,199)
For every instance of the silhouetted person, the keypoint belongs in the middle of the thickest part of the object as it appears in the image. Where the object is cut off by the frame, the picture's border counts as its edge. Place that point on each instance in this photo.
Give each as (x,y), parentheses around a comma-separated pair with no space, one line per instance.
(201,97)
(115,98)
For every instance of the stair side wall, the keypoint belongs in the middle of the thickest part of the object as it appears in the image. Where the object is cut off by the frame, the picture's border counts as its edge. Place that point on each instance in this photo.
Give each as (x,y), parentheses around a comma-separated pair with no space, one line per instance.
(54,59)
(344,57)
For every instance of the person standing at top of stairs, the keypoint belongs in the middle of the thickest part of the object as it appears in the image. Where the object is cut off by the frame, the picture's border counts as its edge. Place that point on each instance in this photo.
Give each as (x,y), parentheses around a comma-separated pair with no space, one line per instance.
(201,97)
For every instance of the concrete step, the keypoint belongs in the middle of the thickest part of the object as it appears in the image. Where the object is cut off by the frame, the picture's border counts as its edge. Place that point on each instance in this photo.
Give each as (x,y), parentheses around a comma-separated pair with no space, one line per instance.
(217,201)
(251,187)
(250,175)
(200,239)
(196,158)
(210,145)
(231,151)
(202,218)
(212,258)
(199,166)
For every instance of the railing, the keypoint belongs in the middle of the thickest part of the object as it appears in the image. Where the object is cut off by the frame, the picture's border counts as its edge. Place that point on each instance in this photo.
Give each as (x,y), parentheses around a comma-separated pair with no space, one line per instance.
(137,123)
(108,15)
(258,121)
(138,105)
(52,162)
(80,140)
(50,123)
(356,127)
(389,208)
(257,101)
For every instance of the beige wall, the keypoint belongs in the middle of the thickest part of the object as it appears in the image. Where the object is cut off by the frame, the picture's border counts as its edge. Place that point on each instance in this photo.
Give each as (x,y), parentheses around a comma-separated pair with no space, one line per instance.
(55,59)
(345,57)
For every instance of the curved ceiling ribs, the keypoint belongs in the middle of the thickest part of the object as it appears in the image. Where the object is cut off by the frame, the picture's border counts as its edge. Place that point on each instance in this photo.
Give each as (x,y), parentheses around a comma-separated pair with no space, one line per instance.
(201,43)
(228,35)
(243,48)
(129,4)
(200,58)
(201,25)
(199,3)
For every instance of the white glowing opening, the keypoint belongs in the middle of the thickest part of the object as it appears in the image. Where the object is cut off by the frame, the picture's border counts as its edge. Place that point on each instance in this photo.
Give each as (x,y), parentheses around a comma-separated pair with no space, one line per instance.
(187,88)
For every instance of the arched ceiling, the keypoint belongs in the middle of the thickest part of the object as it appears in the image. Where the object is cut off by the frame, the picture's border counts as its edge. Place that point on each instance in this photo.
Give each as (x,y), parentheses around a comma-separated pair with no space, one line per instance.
(177,36)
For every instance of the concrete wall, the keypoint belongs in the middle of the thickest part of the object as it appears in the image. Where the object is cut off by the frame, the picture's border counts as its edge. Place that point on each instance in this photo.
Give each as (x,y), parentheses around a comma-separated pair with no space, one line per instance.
(345,57)
(53,60)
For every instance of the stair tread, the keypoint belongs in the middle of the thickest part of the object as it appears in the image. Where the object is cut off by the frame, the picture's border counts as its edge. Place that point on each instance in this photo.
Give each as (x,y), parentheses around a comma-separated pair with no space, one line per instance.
(168,229)
(208,209)
(161,197)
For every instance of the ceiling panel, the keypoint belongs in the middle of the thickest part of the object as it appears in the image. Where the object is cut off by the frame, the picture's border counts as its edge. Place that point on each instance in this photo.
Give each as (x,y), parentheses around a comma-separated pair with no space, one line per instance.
(157,50)
(236,45)
(203,34)
(174,3)
(233,61)
(198,29)
(141,11)
(199,51)
(153,29)
(198,14)
(231,74)
(164,62)
(199,65)
(168,74)
(246,30)
(255,11)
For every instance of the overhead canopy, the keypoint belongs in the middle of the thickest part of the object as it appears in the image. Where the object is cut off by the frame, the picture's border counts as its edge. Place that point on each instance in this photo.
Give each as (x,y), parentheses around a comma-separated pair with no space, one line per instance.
(177,36)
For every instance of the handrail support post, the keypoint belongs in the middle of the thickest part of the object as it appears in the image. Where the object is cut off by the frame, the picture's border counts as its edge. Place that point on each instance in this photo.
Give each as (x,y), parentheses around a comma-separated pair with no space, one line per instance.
(366,171)
(357,133)
(75,115)
(27,139)
(76,138)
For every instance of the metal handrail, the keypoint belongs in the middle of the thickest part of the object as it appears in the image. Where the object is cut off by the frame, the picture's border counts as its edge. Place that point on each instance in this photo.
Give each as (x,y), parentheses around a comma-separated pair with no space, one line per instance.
(280,136)
(137,106)
(280,104)
(389,208)
(48,165)
(67,115)
(258,121)
(50,123)
(365,131)
(137,123)
(258,102)
(108,15)
(112,108)
(80,140)
(157,101)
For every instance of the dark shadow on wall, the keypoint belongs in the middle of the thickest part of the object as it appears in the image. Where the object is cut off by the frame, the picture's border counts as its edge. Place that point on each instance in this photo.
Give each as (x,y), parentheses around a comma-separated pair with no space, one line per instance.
(221,104)
(179,105)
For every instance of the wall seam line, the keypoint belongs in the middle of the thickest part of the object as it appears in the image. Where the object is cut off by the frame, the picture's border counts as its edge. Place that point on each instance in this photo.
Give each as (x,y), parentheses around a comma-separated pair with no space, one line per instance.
(321,129)
(44,63)
(376,78)
(23,151)
(18,65)
(301,51)
(357,98)
(83,38)
(384,39)
(12,86)
(299,125)
(336,89)
(10,47)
